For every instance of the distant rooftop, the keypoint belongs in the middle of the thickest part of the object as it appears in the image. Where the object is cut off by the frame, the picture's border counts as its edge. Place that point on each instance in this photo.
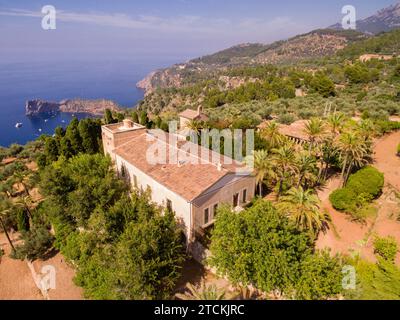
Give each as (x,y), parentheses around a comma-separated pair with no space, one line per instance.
(193,115)
(294,130)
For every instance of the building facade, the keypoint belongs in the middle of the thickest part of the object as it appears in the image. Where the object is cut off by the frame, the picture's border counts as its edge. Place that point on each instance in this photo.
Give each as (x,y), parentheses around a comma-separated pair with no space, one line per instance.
(193,186)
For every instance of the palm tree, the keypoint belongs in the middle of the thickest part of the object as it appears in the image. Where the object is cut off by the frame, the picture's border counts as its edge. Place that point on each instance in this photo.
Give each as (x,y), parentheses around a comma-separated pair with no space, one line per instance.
(306,167)
(19,177)
(328,152)
(195,126)
(303,207)
(335,123)
(315,129)
(25,203)
(367,129)
(271,133)
(284,164)
(260,161)
(4,209)
(353,152)
(202,292)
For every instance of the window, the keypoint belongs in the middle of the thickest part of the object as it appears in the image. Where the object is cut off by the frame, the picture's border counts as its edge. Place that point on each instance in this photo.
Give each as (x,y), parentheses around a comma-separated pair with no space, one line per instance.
(244,199)
(215,210)
(206,216)
(169,205)
(236,200)
(135,183)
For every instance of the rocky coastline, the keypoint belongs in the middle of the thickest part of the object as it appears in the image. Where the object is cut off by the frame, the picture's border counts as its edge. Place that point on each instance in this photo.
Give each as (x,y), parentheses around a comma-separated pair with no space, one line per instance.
(94,107)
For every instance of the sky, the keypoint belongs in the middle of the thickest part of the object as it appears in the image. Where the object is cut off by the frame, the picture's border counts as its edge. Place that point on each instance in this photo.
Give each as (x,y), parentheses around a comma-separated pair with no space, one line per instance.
(149,29)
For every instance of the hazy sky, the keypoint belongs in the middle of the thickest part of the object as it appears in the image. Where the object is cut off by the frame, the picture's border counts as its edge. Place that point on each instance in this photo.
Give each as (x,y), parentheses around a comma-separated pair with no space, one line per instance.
(154,28)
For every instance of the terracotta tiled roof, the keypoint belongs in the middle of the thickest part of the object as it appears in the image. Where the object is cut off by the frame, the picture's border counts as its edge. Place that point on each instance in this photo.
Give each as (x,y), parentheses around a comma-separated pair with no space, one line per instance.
(295,130)
(193,115)
(189,178)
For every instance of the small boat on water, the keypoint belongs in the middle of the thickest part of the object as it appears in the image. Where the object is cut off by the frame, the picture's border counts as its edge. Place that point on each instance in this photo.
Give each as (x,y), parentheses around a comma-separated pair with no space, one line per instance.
(40,130)
(45,120)
(18,125)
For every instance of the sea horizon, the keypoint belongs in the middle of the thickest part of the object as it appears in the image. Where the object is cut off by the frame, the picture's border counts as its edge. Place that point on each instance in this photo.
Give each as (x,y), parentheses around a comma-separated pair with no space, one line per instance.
(90,79)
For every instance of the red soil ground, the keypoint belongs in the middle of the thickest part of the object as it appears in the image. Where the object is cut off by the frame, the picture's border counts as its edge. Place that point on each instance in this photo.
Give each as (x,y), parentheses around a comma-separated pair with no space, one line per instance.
(16,280)
(348,237)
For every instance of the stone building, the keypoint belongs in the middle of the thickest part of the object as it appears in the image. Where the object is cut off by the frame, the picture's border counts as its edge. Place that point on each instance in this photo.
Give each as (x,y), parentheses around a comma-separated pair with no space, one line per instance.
(193,184)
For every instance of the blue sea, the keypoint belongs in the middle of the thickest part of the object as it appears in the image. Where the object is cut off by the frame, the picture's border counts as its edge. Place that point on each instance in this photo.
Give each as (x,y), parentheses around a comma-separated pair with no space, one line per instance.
(113,79)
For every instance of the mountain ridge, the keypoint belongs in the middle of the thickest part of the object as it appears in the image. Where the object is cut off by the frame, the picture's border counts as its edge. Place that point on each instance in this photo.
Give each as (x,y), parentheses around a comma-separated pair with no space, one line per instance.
(384,20)
(314,44)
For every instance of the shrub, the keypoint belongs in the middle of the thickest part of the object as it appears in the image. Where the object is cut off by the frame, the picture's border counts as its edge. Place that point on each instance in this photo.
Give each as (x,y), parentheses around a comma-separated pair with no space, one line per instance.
(387,126)
(37,243)
(286,118)
(398,150)
(342,199)
(368,180)
(361,189)
(320,277)
(380,281)
(263,248)
(386,248)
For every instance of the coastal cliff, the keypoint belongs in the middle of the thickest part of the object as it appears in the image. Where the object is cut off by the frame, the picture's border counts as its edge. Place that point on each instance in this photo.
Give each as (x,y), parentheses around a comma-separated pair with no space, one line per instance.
(315,44)
(164,78)
(95,107)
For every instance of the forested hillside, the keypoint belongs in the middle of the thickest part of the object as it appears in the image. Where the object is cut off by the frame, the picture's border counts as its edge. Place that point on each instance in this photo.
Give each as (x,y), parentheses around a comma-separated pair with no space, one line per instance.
(293,91)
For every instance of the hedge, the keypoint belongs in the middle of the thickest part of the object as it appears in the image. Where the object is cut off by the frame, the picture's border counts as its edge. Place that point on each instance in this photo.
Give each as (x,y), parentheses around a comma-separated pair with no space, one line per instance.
(362,188)
(341,199)
(368,180)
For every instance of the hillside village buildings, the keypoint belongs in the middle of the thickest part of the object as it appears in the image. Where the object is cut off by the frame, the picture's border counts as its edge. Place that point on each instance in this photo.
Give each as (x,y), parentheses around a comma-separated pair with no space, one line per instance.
(191,115)
(369,57)
(193,187)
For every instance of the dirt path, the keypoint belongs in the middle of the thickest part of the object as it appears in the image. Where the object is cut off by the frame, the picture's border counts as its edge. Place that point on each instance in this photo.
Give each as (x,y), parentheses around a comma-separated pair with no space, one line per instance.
(386,160)
(16,279)
(348,237)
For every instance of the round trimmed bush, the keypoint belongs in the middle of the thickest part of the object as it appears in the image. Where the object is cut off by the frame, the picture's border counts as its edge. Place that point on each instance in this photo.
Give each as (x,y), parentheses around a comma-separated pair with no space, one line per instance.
(368,181)
(342,199)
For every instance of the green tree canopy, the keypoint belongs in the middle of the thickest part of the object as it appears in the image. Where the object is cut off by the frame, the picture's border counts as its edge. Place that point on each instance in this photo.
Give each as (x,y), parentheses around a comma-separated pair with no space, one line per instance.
(262,247)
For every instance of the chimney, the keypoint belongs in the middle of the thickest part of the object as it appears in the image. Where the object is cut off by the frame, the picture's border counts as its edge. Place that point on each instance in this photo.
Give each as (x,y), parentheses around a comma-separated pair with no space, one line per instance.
(128,123)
